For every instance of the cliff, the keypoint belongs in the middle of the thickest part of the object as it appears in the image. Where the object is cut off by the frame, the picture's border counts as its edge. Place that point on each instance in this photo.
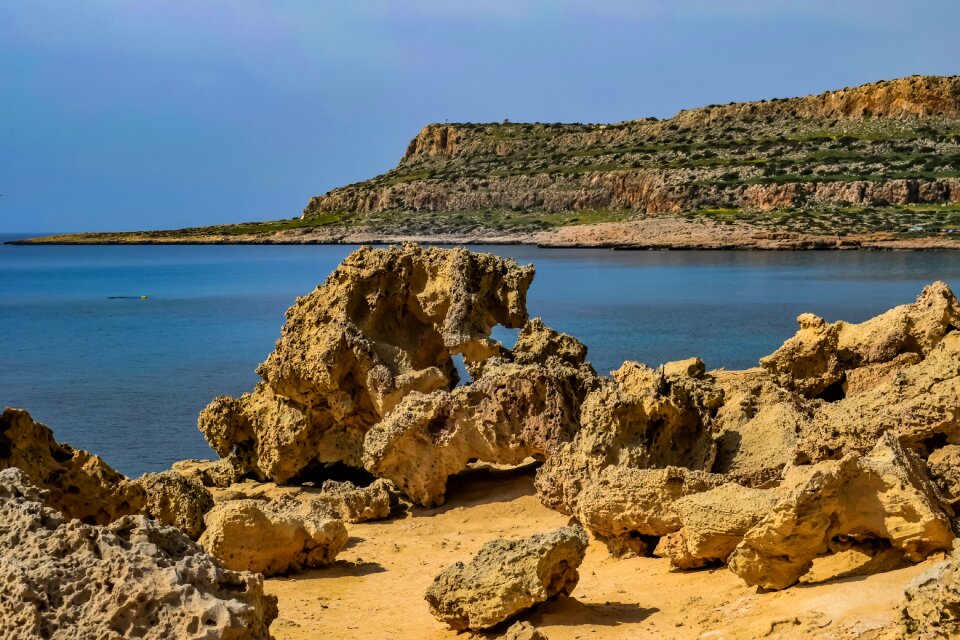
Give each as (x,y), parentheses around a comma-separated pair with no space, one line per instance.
(884,144)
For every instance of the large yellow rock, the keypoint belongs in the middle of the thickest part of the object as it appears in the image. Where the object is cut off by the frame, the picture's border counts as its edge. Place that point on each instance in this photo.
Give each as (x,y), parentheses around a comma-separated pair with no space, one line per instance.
(386,323)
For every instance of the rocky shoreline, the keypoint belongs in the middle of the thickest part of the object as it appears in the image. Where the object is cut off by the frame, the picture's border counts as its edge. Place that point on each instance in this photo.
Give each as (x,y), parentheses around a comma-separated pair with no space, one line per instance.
(826,471)
(652,233)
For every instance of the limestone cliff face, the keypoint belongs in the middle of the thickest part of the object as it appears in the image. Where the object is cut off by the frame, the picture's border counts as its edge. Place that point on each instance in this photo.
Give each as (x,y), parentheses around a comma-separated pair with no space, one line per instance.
(880,144)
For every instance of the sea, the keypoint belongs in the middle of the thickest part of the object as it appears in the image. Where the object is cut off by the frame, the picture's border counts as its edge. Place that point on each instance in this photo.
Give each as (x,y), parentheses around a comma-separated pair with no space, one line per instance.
(118,348)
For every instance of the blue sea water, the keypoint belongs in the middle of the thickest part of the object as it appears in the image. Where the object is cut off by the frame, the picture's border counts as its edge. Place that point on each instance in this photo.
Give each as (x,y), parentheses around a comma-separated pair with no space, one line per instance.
(126,377)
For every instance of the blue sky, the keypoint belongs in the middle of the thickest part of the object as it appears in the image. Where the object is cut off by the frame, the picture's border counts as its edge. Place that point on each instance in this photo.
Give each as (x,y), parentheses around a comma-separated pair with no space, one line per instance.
(143,114)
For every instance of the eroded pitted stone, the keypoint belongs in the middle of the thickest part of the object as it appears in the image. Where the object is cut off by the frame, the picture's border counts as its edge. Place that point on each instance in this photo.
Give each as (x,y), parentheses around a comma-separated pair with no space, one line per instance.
(386,323)
(629,508)
(640,419)
(815,360)
(757,429)
(713,523)
(919,405)
(80,484)
(508,577)
(131,578)
(931,605)
(272,538)
(882,498)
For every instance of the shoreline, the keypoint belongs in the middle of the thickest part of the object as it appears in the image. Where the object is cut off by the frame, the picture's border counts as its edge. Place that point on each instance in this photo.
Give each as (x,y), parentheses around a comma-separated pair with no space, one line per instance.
(654,233)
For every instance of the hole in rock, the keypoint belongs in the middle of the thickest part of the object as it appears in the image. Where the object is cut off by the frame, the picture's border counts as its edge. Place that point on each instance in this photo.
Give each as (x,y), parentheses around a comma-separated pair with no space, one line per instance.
(934,442)
(462,374)
(506,337)
(317,472)
(834,392)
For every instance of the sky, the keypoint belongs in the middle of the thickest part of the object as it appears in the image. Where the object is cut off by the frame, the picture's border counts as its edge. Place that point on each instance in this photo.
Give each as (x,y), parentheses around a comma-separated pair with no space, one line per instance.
(148,114)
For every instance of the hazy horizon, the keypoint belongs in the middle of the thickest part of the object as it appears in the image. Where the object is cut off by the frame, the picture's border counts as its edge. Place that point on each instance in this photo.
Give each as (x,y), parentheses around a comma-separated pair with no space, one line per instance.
(163,114)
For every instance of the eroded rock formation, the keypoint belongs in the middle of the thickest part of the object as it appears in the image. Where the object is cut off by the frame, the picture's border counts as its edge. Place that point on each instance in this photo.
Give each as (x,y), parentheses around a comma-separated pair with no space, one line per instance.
(385,324)
(515,409)
(816,360)
(272,537)
(642,418)
(506,578)
(79,484)
(882,497)
(131,578)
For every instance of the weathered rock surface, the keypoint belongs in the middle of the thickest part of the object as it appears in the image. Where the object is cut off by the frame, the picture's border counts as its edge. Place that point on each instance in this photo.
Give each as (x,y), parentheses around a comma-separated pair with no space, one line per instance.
(628,508)
(919,405)
(386,323)
(815,361)
(883,498)
(79,484)
(640,419)
(131,578)
(931,606)
(757,429)
(506,578)
(713,524)
(176,501)
(271,538)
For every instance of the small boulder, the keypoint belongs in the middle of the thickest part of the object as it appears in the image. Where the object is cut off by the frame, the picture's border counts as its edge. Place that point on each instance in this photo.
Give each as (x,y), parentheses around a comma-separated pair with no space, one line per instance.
(714,522)
(508,577)
(883,499)
(272,538)
(176,501)
(629,508)
(523,631)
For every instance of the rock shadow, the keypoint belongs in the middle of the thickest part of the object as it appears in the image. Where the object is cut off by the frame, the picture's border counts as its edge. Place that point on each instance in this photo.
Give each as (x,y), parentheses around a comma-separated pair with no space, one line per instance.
(571,612)
(485,485)
(340,569)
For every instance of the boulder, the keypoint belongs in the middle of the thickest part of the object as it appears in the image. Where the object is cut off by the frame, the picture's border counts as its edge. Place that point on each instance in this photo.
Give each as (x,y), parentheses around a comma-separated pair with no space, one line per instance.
(641,418)
(386,323)
(78,484)
(176,501)
(131,578)
(506,578)
(815,361)
(276,537)
(931,604)
(883,499)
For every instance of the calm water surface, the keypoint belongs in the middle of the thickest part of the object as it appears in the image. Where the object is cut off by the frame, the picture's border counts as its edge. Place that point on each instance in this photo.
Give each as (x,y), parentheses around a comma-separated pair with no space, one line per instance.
(126,378)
